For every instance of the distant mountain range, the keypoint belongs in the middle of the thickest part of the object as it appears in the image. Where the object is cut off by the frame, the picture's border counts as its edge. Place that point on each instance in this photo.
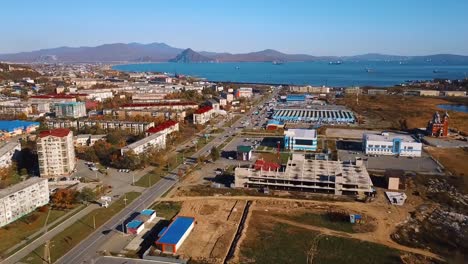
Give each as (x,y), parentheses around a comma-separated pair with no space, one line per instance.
(161,52)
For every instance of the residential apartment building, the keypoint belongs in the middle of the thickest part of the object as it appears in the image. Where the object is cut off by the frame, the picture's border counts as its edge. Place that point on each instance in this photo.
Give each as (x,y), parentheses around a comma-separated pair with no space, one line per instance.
(391,144)
(166,128)
(132,127)
(87,140)
(15,109)
(21,199)
(309,89)
(59,123)
(228,96)
(160,106)
(8,153)
(70,109)
(154,141)
(203,115)
(56,152)
(123,114)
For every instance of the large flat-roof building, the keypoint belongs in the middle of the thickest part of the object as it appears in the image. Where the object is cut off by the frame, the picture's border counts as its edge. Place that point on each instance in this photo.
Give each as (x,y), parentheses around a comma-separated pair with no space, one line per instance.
(56,153)
(314,115)
(309,175)
(300,139)
(22,198)
(388,143)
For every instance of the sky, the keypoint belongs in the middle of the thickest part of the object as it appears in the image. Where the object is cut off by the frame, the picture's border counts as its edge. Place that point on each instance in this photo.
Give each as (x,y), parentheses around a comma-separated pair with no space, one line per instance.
(316,27)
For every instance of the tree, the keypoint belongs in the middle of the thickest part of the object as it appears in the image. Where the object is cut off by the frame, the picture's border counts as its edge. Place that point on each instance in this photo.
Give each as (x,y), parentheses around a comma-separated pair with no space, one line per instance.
(64,197)
(214,154)
(86,195)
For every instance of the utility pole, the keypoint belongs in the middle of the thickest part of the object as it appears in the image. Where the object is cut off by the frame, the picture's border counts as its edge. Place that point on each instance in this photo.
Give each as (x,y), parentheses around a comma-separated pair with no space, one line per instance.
(47,244)
(125,200)
(133,178)
(94,222)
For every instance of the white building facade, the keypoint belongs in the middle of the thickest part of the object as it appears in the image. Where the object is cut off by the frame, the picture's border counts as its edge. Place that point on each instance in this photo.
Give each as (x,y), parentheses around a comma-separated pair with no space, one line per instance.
(391,144)
(154,141)
(22,198)
(8,152)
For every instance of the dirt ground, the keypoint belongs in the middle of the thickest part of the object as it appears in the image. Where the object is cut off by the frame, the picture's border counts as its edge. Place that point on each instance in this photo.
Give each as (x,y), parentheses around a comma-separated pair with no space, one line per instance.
(453,159)
(389,111)
(214,230)
(216,225)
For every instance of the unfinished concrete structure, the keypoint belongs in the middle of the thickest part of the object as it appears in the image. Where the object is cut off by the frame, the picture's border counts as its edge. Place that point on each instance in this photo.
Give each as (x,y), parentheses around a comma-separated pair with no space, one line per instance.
(309,175)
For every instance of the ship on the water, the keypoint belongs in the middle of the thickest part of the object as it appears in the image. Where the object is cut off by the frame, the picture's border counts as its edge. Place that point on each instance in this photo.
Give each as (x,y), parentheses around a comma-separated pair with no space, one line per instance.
(335,62)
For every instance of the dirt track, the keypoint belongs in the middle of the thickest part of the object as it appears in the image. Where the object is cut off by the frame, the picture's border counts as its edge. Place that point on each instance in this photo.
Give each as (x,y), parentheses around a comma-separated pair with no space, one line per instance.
(386,217)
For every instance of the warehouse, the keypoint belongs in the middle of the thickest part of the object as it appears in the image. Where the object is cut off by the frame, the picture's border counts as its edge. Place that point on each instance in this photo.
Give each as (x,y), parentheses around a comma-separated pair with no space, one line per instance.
(391,144)
(148,215)
(314,115)
(308,175)
(175,234)
(295,98)
(300,139)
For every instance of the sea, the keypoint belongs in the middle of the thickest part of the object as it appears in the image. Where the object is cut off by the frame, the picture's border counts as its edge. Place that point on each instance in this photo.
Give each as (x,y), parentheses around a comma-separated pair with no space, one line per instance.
(378,73)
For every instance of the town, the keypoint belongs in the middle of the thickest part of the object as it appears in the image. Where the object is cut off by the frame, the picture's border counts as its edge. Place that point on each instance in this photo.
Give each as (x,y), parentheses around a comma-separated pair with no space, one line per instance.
(111,167)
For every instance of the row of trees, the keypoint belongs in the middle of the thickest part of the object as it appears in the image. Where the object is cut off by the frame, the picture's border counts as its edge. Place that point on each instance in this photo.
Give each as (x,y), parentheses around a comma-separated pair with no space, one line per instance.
(66,198)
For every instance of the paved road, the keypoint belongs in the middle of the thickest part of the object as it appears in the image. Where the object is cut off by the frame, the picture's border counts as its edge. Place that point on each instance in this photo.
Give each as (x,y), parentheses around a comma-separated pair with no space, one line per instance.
(86,251)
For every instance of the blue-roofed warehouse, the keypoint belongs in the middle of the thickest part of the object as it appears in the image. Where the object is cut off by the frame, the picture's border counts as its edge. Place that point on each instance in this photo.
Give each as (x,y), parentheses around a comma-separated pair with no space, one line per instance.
(135,227)
(175,234)
(12,125)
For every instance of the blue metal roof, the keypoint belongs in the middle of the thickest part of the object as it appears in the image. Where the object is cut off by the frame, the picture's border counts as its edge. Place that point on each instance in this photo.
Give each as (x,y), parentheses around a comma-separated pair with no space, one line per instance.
(12,125)
(134,224)
(147,212)
(176,230)
(274,122)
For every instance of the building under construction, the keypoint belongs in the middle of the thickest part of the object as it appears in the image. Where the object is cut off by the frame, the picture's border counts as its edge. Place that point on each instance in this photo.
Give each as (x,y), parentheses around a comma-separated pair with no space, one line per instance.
(309,175)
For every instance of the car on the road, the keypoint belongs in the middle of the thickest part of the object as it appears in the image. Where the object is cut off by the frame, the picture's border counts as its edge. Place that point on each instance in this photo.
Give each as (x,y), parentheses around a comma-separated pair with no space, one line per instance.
(230,158)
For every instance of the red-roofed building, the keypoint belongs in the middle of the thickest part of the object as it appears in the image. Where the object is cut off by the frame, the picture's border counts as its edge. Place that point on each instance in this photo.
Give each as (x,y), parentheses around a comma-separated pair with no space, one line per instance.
(203,115)
(266,165)
(166,128)
(56,153)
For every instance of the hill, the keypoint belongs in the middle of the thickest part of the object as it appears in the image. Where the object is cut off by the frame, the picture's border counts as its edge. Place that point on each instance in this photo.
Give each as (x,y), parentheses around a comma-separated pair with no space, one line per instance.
(190,56)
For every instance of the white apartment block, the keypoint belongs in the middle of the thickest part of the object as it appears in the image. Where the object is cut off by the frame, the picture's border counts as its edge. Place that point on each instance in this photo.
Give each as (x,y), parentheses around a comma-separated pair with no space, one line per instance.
(157,141)
(56,152)
(391,144)
(97,95)
(70,109)
(8,153)
(310,89)
(58,123)
(22,198)
(244,92)
(132,127)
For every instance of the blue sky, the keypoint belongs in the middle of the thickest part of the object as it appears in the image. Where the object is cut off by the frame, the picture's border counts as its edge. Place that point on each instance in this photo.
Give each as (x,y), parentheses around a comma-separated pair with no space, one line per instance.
(326,27)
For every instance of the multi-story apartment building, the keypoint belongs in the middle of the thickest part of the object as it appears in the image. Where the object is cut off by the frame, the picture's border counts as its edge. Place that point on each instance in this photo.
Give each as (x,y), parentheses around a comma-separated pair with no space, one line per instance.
(70,109)
(22,198)
(166,128)
(56,152)
(132,127)
(203,115)
(158,106)
(244,92)
(59,123)
(8,153)
(157,141)
(309,89)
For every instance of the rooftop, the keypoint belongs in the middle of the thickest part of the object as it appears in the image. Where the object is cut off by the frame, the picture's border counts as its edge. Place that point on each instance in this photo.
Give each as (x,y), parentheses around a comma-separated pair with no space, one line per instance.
(134,224)
(143,141)
(301,133)
(389,136)
(11,125)
(53,96)
(159,104)
(176,230)
(20,186)
(203,110)
(148,212)
(162,126)
(242,148)
(8,147)
(58,132)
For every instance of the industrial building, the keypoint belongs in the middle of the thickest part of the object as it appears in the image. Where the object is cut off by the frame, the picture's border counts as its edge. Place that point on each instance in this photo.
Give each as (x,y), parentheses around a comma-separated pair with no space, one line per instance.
(10,128)
(388,143)
(147,215)
(300,139)
(8,153)
(21,199)
(309,175)
(56,152)
(70,109)
(172,237)
(314,115)
(290,98)
(154,141)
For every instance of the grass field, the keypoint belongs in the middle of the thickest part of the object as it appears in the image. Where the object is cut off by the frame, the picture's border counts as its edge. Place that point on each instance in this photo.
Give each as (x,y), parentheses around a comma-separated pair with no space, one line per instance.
(167,209)
(386,111)
(281,243)
(26,226)
(150,178)
(322,220)
(454,160)
(78,231)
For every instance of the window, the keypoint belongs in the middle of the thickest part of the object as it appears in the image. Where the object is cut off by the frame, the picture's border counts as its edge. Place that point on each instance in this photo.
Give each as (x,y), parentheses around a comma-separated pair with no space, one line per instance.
(304,142)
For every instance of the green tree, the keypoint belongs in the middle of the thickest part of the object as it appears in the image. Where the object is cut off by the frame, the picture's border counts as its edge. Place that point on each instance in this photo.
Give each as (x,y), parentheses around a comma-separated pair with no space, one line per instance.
(86,195)
(214,154)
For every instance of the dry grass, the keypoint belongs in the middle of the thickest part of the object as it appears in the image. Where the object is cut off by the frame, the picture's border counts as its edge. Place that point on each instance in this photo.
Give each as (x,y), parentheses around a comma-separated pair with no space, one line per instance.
(453,159)
(388,111)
